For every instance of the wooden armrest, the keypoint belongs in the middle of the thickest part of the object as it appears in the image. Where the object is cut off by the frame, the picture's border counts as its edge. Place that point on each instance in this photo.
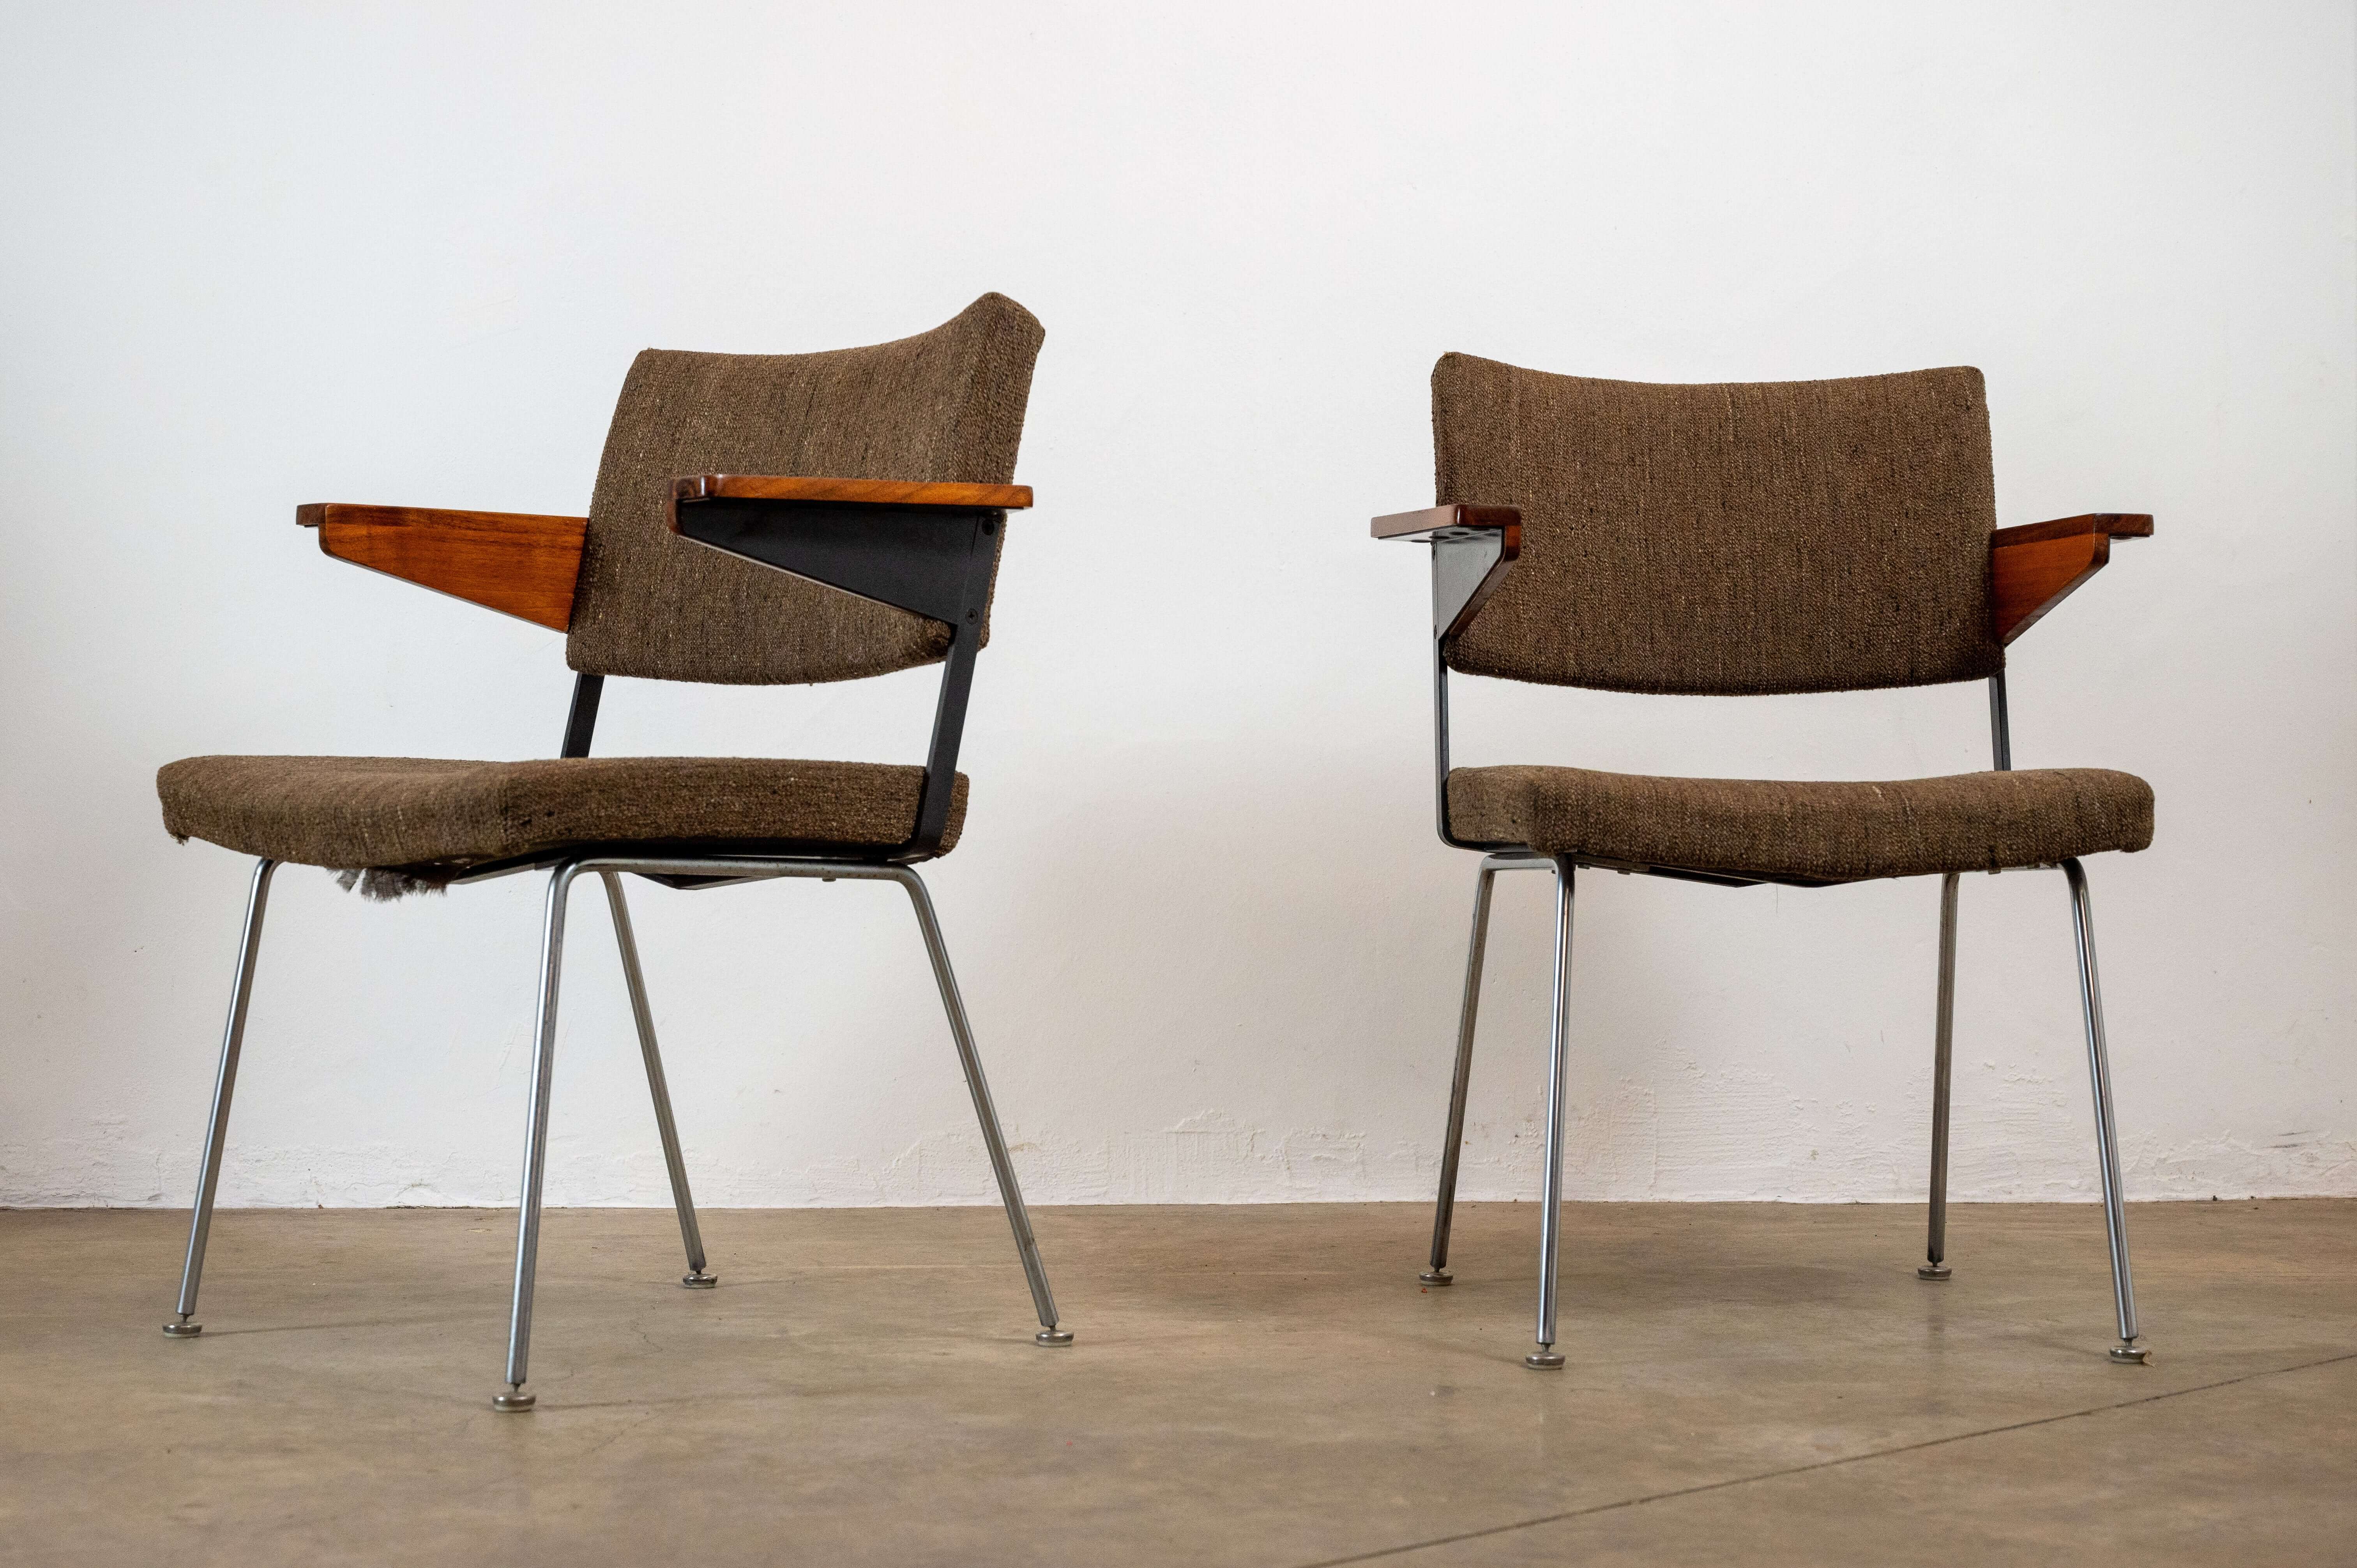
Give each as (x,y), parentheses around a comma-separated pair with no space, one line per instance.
(2038,565)
(1457,520)
(883,492)
(519,563)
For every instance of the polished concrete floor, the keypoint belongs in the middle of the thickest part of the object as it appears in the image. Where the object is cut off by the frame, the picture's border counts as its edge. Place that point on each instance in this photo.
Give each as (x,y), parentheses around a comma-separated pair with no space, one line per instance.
(1748,1384)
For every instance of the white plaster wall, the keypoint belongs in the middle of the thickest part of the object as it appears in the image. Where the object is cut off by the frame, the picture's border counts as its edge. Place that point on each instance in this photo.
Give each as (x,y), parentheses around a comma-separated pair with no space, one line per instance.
(256,257)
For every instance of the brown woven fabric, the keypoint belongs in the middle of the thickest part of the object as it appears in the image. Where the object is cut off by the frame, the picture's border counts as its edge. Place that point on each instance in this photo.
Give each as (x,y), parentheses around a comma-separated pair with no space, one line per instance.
(414,812)
(1777,536)
(945,406)
(1831,832)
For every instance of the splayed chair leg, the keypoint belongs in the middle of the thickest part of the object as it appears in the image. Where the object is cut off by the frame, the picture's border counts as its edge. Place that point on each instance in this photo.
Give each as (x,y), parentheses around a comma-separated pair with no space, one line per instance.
(1027,1246)
(2107,1144)
(1452,1147)
(1546,1358)
(691,1236)
(536,1146)
(241,995)
(1935,1247)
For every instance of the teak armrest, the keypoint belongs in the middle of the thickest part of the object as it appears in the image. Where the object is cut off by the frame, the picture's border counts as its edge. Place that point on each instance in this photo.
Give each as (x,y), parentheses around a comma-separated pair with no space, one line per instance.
(1453,522)
(519,563)
(1473,548)
(2036,567)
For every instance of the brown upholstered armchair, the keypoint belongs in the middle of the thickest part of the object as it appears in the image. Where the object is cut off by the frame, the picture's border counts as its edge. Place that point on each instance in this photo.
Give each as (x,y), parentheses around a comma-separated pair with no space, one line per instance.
(709,554)
(1779,537)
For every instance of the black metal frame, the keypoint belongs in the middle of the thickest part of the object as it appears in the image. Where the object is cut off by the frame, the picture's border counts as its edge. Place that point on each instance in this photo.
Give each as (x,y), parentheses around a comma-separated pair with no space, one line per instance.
(932,561)
(582,722)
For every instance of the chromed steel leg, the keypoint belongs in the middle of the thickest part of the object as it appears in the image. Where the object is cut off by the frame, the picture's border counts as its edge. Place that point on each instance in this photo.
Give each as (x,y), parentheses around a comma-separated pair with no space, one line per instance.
(1936,1248)
(2107,1145)
(689,1234)
(535,1145)
(1545,1358)
(1018,1216)
(1445,1207)
(241,995)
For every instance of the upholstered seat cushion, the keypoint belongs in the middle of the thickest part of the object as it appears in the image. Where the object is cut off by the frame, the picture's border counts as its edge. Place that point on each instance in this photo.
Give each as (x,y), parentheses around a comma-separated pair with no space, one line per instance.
(1828,833)
(414,812)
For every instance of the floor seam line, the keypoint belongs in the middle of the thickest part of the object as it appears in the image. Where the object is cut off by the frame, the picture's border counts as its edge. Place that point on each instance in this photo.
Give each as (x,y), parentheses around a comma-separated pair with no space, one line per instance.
(1820,1464)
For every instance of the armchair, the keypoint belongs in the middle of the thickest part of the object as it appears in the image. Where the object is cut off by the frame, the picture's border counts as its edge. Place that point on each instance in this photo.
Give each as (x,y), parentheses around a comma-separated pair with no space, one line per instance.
(1750,539)
(708,555)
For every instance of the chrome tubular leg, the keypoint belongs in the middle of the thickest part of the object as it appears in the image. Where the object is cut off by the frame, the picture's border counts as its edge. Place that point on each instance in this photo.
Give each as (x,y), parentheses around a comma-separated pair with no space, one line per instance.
(1545,1358)
(535,1145)
(241,994)
(1935,1248)
(2107,1144)
(627,940)
(1026,1244)
(1445,1207)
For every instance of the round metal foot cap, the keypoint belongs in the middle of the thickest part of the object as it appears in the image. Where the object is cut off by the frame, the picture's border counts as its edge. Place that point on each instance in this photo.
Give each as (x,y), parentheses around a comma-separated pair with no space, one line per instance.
(514,1399)
(183,1330)
(1054,1338)
(1544,1361)
(699,1280)
(1437,1277)
(2130,1354)
(1932,1271)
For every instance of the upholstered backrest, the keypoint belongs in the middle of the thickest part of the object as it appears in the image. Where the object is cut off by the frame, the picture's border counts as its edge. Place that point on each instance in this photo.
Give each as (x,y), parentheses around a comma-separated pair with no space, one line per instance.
(1773,536)
(945,406)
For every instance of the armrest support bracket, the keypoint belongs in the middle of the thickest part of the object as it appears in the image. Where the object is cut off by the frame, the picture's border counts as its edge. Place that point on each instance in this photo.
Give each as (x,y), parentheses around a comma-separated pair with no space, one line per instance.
(930,557)
(1473,548)
(2036,567)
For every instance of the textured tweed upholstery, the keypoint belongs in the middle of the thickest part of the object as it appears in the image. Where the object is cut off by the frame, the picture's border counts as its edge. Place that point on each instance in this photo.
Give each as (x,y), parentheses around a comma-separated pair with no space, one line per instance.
(1832,833)
(1780,536)
(415,812)
(945,406)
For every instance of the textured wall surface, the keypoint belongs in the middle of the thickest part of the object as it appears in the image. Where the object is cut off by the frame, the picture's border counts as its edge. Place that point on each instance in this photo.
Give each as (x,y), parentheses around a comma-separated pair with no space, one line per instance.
(1211,949)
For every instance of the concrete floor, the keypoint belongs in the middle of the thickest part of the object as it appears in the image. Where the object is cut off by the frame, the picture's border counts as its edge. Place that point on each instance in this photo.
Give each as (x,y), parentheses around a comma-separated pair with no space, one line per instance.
(1748,1384)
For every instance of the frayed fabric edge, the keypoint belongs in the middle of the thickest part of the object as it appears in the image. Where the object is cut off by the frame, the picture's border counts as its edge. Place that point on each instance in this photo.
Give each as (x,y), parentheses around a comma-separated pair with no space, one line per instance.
(382,883)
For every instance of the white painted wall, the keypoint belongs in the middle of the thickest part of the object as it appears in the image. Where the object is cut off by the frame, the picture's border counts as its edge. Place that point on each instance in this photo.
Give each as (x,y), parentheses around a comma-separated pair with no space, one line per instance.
(257,257)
